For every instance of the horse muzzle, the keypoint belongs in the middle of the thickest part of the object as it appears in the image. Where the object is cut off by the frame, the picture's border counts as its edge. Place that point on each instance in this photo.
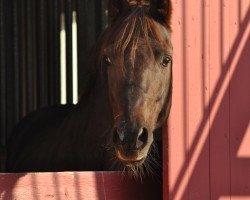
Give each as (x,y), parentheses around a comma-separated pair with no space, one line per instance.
(131,144)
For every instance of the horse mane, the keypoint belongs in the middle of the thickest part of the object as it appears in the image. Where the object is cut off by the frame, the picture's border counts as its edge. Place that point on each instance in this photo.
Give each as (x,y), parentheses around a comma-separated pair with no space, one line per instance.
(125,35)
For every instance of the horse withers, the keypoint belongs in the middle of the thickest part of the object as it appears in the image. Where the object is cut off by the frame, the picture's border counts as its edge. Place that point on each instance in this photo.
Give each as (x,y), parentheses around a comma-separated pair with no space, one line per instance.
(127,96)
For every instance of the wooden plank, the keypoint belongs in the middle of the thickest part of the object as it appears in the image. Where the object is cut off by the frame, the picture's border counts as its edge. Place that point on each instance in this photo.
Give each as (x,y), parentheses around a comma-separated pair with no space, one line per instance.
(189,128)
(196,101)
(219,99)
(54,52)
(235,197)
(57,80)
(77,185)
(69,62)
(240,99)
(16,56)
(217,61)
(23,60)
(86,38)
(42,35)
(31,56)
(101,20)
(51,56)
(176,134)
(53,22)
(2,76)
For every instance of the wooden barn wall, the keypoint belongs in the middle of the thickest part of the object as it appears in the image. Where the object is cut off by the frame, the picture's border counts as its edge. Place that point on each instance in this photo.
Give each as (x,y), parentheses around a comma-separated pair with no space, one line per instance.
(30,64)
(209,126)
(208,130)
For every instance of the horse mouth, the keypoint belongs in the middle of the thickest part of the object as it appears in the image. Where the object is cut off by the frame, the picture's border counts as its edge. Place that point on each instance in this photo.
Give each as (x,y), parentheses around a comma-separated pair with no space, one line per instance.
(129,161)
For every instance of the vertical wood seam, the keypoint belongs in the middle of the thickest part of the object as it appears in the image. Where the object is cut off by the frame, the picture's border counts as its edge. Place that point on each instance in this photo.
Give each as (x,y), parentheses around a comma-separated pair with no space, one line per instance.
(229,90)
(209,101)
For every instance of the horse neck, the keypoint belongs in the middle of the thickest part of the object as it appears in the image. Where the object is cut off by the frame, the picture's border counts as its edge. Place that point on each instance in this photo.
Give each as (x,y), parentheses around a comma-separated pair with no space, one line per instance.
(97,104)
(91,118)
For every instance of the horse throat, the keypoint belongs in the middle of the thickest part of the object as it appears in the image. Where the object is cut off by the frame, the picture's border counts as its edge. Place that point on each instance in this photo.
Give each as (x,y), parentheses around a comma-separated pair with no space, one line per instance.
(93,122)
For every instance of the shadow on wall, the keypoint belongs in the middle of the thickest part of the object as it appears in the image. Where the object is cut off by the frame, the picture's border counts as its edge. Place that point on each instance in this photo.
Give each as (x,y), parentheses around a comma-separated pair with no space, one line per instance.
(7,184)
(77,185)
(228,174)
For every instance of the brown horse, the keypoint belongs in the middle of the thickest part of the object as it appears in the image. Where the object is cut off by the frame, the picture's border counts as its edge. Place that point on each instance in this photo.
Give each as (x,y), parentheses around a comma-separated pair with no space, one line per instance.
(127,96)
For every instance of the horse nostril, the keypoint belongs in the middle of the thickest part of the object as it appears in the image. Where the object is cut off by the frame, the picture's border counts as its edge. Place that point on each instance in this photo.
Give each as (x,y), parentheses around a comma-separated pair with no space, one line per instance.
(117,137)
(142,138)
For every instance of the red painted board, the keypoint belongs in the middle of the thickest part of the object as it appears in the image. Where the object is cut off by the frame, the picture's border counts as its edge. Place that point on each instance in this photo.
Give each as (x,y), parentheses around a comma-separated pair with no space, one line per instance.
(240,99)
(219,99)
(209,125)
(189,119)
(77,185)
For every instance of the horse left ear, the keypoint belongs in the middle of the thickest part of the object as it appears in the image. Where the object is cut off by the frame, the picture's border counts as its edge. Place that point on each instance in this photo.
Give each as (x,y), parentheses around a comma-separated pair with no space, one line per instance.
(115,8)
(161,11)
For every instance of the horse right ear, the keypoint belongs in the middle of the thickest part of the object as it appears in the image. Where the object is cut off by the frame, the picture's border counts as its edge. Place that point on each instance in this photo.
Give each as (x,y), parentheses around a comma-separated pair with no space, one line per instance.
(161,10)
(115,8)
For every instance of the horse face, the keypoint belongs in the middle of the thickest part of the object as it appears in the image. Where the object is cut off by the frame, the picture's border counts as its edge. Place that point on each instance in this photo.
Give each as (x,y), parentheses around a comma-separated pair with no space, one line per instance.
(138,62)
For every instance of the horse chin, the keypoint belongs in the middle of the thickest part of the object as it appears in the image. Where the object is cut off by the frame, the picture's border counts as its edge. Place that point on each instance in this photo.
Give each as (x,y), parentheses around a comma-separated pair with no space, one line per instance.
(130,161)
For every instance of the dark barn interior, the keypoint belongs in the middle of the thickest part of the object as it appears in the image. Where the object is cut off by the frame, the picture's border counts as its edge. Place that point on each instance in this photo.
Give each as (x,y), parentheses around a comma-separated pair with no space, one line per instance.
(38,38)
(31,51)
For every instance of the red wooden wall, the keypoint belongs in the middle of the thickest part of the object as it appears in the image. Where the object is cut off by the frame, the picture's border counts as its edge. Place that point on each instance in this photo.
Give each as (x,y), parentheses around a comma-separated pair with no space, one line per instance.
(209,126)
(77,186)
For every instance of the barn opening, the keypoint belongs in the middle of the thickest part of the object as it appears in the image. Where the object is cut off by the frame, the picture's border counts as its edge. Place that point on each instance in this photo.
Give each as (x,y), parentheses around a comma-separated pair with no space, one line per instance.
(42,44)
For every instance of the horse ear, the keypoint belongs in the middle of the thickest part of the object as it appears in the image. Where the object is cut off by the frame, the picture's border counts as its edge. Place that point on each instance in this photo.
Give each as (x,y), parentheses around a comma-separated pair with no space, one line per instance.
(161,10)
(115,8)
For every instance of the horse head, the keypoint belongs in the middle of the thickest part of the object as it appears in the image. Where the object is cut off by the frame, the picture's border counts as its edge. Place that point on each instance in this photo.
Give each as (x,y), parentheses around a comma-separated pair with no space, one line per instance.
(136,55)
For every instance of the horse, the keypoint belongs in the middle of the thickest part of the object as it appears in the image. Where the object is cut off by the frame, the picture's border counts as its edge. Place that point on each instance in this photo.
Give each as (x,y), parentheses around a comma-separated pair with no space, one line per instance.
(127,95)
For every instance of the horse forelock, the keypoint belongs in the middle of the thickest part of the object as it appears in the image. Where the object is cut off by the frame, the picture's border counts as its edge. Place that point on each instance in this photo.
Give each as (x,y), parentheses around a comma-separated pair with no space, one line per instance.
(134,29)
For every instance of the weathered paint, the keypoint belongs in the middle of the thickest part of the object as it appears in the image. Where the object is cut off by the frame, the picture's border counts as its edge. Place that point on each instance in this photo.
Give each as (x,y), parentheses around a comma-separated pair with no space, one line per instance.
(77,186)
(209,123)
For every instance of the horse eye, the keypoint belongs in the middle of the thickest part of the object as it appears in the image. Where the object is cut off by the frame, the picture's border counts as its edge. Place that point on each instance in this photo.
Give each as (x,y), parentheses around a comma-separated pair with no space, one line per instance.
(166,60)
(107,60)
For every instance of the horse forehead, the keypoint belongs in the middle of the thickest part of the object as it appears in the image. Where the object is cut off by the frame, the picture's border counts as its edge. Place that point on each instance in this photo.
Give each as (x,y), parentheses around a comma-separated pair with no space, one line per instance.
(138,55)
(146,48)
(138,69)
(142,50)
